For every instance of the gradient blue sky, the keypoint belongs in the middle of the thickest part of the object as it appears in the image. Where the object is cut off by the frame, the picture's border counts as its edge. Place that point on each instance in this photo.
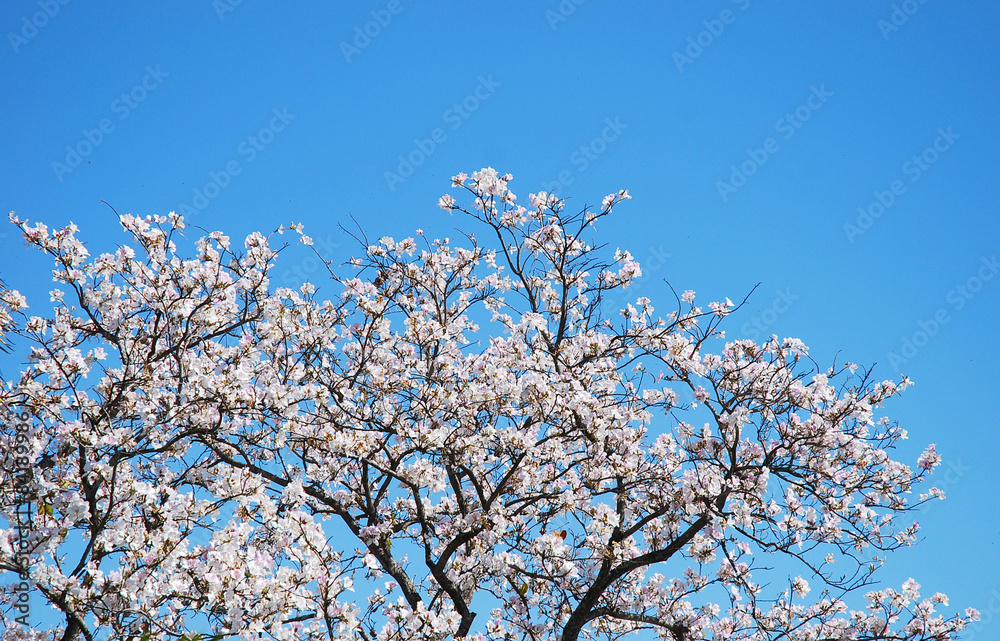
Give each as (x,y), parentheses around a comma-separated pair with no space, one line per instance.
(828,106)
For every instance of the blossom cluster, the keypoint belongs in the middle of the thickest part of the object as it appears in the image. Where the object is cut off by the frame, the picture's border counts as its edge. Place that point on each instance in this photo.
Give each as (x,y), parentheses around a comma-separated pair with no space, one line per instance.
(216,457)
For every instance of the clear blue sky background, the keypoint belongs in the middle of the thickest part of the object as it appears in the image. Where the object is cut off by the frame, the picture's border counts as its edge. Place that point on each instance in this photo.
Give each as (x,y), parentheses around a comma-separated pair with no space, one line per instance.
(846,101)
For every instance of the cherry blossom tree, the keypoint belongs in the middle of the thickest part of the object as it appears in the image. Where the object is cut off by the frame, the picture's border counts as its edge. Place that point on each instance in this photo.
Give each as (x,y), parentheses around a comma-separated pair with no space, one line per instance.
(464,442)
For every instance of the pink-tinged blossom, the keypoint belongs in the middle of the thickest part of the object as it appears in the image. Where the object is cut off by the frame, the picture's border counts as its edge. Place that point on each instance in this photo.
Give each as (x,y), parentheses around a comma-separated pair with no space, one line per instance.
(612,199)
(446,202)
(929,458)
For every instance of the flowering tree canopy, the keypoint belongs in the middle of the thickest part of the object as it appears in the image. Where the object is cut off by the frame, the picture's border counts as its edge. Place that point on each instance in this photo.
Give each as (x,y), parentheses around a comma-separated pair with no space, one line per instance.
(464,442)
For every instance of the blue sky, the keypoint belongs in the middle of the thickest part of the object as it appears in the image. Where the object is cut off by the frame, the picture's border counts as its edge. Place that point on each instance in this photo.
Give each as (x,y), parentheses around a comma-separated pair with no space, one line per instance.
(843,156)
